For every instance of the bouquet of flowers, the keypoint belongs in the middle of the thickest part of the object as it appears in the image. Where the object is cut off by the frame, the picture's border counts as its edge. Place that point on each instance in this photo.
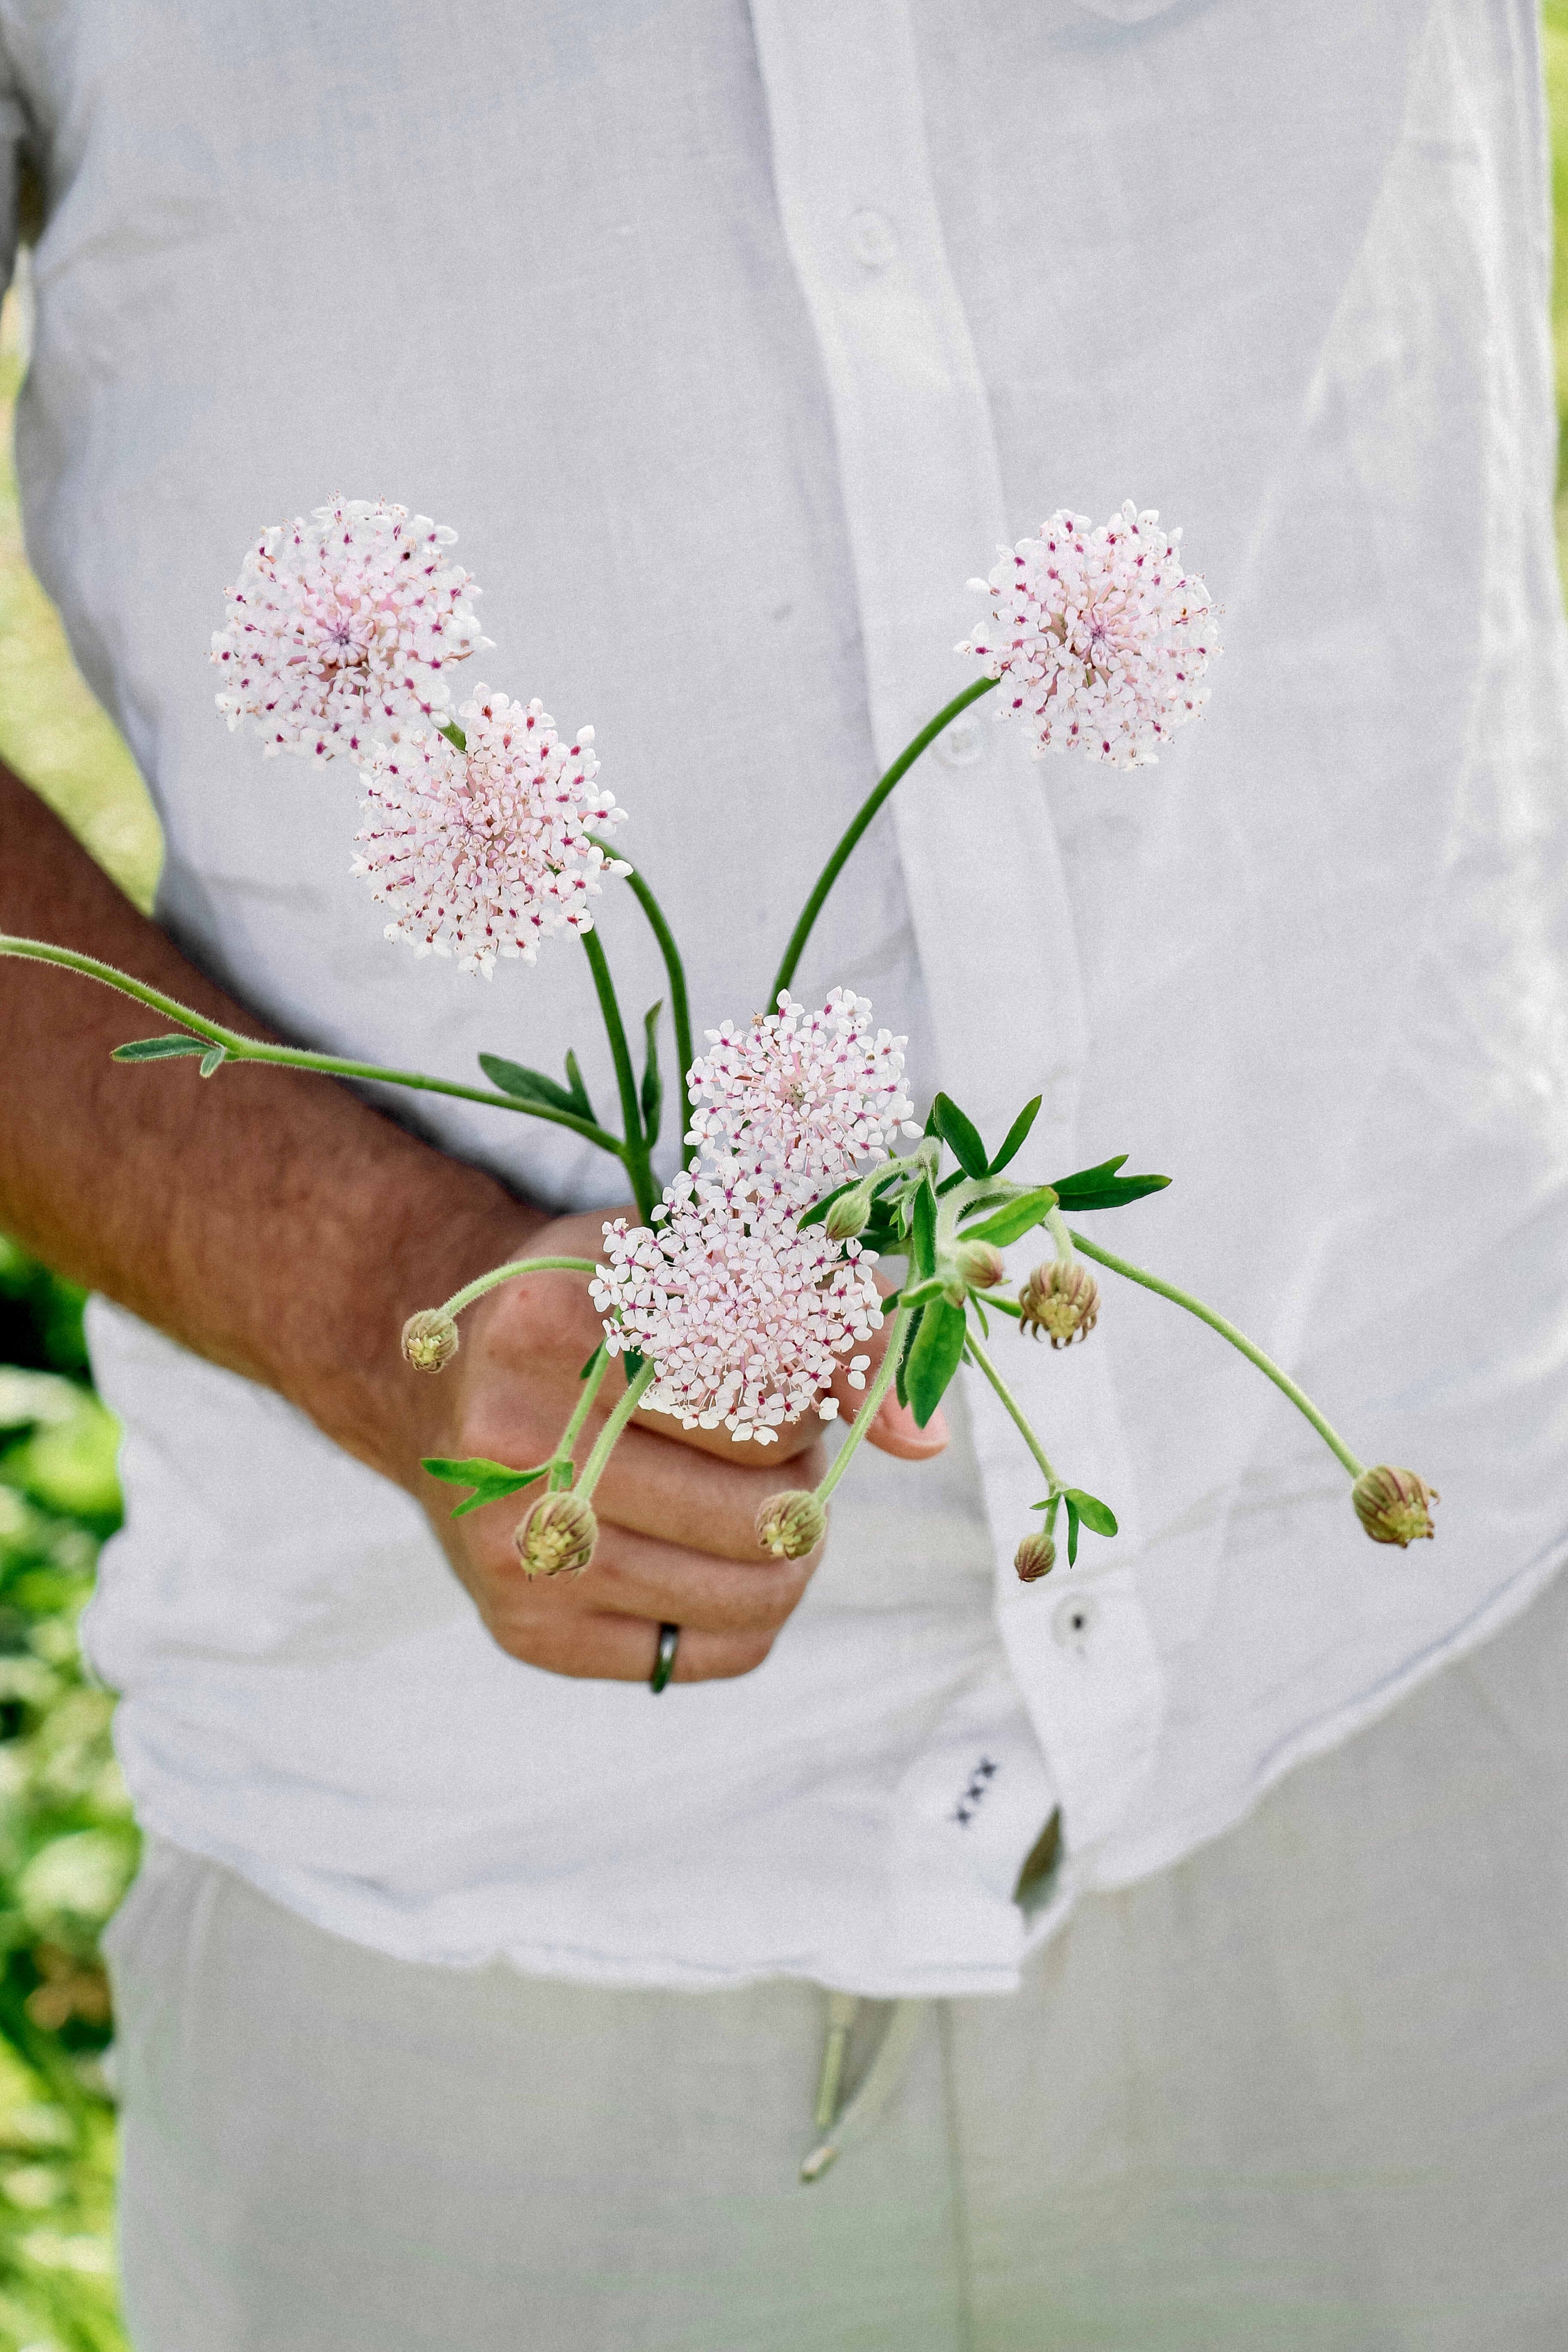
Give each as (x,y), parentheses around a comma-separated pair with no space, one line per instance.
(735,1296)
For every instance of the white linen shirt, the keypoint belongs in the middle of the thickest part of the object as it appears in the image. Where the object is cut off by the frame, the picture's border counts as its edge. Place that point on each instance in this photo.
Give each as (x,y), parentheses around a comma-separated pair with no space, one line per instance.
(731,342)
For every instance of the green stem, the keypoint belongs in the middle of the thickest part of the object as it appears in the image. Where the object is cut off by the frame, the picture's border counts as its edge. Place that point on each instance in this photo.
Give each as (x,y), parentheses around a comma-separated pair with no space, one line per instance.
(604,1445)
(636,1152)
(291,1058)
(679,1009)
(887,1372)
(593,1381)
(869,808)
(1283,1381)
(1055,1225)
(499,1274)
(1016,1410)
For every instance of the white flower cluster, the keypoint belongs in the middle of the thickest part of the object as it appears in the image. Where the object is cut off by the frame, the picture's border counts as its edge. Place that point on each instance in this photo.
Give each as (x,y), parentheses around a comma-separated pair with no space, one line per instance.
(1099,636)
(747,1318)
(801,1094)
(339,639)
(482,851)
(341,624)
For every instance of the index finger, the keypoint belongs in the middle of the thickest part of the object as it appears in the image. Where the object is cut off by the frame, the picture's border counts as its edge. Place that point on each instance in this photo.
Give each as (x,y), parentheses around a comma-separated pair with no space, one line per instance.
(683,1495)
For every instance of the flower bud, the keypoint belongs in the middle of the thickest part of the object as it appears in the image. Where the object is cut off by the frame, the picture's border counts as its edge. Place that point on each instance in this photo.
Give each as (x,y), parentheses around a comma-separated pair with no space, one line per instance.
(980,1263)
(791,1524)
(1060,1300)
(849,1215)
(1036,1556)
(1393,1506)
(429,1340)
(557,1537)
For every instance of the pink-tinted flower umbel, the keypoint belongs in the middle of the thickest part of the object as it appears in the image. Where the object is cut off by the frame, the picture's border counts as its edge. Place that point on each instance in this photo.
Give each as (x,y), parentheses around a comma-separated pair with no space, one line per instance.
(801,1096)
(746,1318)
(1099,637)
(483,852)
(343,625)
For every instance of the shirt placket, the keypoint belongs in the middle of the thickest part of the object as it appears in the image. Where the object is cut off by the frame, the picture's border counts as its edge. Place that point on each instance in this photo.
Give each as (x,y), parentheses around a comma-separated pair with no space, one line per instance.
(982,866)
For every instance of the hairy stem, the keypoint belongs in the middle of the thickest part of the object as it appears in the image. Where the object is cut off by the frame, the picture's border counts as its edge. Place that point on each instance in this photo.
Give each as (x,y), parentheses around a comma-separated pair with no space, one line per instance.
(1239,1339)
(239,1048)
(1053,1483)
(636,1153)
(499,1274)
(679,1008)
(887,1372)
(868,807)
(604,1444)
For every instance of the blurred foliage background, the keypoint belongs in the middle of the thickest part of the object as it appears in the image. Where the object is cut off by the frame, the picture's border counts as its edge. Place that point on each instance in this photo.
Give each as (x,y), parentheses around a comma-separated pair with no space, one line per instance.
(67,1844)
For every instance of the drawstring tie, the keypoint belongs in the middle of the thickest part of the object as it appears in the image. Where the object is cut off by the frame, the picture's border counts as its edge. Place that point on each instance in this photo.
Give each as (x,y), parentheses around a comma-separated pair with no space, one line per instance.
(840,2129)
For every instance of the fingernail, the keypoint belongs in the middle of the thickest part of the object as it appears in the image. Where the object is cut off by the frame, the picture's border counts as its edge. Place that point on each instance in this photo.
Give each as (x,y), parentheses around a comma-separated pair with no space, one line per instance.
(898,1420)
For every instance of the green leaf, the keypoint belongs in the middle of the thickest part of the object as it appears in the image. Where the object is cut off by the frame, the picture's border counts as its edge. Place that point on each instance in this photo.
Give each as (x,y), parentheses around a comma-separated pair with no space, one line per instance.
(1072,1530)
(490,1480)
(881,1233)
(901,1378)
(652,1084)
(1013,1142)
(1097,1517)
(1010,1224)
(632,1360)
(592,1362)
(935,1356)
(528,1086)
(455,735)
(961,1136)
(579,1092)
(1103,1188)
(158,1049)
(922,1232)
(213,1061)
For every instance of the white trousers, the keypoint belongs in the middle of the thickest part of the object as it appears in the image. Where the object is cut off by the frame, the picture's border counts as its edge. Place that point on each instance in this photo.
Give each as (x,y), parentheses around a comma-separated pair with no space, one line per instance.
(1308,2089)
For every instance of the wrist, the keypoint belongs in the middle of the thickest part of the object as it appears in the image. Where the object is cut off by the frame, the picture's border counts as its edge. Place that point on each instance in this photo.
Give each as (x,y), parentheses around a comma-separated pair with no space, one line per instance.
(413,1251)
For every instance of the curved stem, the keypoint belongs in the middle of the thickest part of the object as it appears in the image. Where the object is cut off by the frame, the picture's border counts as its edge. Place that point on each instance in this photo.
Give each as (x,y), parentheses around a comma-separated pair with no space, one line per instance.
(1016,1410)
(1239,1339)
(887,1372)
(679,1009)
(239,1048)
(635,1152)
(604,1445)
(869,808)
(499,1274)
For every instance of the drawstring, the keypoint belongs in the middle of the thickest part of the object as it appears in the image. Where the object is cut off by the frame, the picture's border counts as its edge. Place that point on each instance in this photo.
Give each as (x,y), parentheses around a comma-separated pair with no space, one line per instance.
(883,2077)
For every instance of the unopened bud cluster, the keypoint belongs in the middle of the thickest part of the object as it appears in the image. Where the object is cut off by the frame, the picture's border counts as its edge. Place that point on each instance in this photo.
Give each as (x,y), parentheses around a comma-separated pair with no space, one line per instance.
(981,1265)
(1060,1302)
(849,1215)
(791,1524)
(1394,1507)
(558,1535)
(430,1339)
(1036,1556)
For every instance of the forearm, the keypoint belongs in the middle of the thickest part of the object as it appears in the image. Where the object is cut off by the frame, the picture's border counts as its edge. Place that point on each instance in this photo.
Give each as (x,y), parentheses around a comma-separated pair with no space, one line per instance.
(268,1220)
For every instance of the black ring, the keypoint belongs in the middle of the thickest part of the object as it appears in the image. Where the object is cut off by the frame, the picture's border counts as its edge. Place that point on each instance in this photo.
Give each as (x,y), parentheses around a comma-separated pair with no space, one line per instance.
(664,1663)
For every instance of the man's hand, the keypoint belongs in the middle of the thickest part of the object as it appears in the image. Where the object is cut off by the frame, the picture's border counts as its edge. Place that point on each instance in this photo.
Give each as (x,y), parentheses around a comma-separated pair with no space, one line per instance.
(676,1508)
(274,1224)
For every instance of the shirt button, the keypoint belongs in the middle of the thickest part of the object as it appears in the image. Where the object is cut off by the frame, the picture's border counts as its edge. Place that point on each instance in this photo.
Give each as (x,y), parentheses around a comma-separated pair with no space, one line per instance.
(963,742)
(1074,1620)
(873,239)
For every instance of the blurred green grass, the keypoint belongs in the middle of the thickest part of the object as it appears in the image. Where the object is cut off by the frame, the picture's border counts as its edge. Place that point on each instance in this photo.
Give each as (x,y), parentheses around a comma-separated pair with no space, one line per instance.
(68,1846)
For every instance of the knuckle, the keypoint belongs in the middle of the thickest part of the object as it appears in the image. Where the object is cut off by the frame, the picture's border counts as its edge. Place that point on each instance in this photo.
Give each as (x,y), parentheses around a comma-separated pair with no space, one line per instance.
(744,1653)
